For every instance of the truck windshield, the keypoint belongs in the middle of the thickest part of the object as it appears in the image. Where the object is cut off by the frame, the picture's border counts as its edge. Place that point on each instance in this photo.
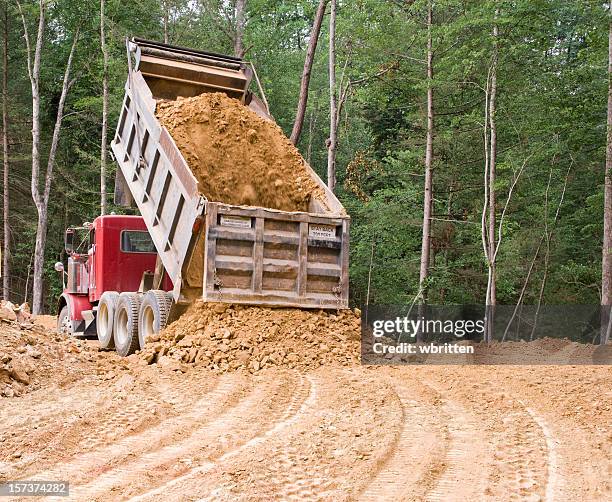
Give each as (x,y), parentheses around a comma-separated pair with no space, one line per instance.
(136,241)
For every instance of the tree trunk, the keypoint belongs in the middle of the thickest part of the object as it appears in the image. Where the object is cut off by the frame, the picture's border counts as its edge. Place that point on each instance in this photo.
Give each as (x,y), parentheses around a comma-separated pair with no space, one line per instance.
(493,170)
(34,75)
(331,143)
(606,265)
(308,62)
(166,8)
(311,128)
(103,140)
(427,195)
(41,200)
(39,262)
(6,273)
(240,23)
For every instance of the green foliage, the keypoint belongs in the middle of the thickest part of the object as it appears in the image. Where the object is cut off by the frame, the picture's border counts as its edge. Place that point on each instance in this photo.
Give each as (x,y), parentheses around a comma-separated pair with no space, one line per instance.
(552,81)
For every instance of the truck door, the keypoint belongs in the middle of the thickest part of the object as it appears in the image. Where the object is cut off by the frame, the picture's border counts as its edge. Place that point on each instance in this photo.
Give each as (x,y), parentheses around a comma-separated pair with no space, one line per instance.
(91,263)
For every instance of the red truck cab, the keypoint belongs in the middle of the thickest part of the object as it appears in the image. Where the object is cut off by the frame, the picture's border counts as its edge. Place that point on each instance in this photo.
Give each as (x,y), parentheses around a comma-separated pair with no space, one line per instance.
(114,255)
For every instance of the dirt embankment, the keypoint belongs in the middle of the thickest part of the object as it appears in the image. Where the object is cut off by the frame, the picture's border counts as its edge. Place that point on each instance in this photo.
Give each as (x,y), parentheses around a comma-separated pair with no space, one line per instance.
(31,353)
(230,337)
(237,156)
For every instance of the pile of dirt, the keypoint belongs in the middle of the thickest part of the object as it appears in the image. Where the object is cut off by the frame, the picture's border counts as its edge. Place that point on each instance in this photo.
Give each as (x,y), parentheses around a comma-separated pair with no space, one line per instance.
(226,337)
(12,312)
(544,350)
(238,157)
(31,355)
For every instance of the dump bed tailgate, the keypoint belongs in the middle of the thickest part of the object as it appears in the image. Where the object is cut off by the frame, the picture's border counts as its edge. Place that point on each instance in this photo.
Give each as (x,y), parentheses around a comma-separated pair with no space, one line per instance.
(262,256)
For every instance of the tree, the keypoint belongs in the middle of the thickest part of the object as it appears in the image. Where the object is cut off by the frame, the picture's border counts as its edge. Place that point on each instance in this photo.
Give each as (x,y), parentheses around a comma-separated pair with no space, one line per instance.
(166,19)
(231,19)
(240,16)
(490,242)
(6,273)
(493,166)
(103,139)
(305,81)
(41,199)
(428,189)
(333,134)
(606,266)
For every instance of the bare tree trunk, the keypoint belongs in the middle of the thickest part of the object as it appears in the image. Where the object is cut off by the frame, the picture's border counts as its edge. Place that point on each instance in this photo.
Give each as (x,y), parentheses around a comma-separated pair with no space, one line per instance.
(523,289)
(428,195)
(492,172)
(103,140)
(240,23)
(41,200)
(166,8)
(34,74)
(331,142)
(493,169)
(606,265)
(6,273)
(311,128)
(28,274)
(308,62)
(547,236)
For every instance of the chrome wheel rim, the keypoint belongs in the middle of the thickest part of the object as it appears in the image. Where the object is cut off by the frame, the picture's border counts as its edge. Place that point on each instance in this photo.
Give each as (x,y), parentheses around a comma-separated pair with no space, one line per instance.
(148,318)
(122,328)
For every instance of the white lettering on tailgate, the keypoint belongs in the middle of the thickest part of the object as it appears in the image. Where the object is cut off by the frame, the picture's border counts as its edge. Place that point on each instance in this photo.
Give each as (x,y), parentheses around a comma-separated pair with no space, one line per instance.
(228,220)
(325,232)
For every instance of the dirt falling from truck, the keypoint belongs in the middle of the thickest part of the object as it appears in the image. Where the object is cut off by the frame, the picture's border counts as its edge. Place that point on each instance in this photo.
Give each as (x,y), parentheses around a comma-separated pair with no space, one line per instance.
(237,156)
(226,337)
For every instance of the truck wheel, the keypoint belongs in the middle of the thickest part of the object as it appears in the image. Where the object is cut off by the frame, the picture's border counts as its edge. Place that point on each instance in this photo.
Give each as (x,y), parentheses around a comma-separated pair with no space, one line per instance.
(126,324)
(64,325)
(154,313)
(105,319)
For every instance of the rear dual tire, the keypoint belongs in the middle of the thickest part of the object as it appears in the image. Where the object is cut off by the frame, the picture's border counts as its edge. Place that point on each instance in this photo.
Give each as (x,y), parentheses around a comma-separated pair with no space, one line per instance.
(125,327)
(154,313)
(125,321)
(105,319)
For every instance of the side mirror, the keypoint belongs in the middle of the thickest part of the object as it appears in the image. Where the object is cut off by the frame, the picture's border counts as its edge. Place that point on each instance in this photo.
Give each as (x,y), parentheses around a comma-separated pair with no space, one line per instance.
(59,267)
(69,241)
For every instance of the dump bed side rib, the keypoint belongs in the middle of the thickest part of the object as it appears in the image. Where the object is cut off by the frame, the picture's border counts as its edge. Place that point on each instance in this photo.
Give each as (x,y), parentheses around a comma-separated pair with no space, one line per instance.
(161,184)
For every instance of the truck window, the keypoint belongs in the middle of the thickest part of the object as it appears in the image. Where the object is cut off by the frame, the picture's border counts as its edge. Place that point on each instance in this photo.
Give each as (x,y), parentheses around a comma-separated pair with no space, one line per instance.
(136,241)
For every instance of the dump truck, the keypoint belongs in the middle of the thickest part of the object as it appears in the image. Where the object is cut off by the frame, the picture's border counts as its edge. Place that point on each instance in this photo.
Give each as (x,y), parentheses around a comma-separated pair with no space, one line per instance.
(246,254)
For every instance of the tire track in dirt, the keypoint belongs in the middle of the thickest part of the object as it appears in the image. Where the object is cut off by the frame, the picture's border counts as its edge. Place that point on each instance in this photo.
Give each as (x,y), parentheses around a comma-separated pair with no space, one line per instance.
(520,457)
(327,451)
(280,459)
(407,465)
(302,399)
(505,431)
(210,440)
(571,412)
(177,398)
(77,470)
(461,473)
(552,465)
(51,427)
(70,423)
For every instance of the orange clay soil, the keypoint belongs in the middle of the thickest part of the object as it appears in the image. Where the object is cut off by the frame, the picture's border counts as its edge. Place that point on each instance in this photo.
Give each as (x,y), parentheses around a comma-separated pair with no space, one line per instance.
(225,337)
(237,156)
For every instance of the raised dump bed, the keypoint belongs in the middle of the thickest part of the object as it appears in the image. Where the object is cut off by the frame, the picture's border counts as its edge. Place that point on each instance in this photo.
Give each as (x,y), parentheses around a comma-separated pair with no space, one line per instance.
(210,249)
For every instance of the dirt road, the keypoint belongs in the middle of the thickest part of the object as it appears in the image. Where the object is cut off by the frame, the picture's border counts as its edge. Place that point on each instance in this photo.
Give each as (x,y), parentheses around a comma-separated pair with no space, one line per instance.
(126,431)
